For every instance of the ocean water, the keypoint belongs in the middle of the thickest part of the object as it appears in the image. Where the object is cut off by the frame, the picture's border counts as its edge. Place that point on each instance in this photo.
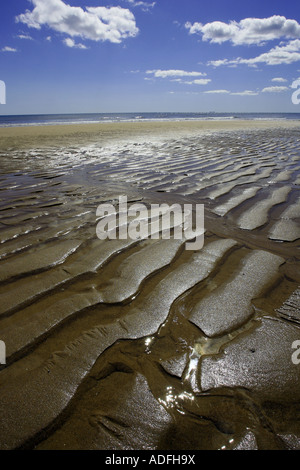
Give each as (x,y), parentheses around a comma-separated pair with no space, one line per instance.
(55,119)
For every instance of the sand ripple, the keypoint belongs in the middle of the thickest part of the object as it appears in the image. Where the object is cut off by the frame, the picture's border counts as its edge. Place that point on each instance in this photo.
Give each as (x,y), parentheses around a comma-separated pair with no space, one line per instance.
(129,344)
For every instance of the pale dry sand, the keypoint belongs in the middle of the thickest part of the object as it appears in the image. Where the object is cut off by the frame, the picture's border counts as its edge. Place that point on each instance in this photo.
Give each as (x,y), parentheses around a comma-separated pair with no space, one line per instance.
(25,136)
(145,345)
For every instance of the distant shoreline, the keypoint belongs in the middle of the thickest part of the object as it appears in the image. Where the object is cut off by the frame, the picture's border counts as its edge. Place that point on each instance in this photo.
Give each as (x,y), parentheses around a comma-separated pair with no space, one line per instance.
(108,118)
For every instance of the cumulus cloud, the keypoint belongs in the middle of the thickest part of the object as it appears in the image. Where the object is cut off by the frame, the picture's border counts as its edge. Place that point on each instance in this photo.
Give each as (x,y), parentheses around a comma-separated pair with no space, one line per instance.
(174,73)
(247,31)
(282,54)
(214,32)
(94,23)
(69,42)
(8,49)
(275,89)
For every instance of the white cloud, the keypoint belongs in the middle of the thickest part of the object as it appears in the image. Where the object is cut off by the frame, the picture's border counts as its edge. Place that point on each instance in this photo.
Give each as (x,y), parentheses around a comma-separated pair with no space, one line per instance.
(95,23)
(8,49)
(201,81)
(245,93)
(179,76)
(144,5)
(71,43)
(247,31)
(174,73)
(221,92)
(24,36)
(218,63)
(284,54)
(215,32)
(279,80)
(49,38)
(275,89)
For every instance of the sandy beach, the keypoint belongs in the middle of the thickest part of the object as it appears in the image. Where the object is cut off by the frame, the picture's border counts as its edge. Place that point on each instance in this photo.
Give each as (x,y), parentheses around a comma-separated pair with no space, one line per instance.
(56,135)
(123,344)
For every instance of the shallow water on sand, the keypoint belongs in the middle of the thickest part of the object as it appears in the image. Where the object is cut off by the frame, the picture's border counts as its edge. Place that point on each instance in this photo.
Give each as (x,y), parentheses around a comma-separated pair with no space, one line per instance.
(142,344)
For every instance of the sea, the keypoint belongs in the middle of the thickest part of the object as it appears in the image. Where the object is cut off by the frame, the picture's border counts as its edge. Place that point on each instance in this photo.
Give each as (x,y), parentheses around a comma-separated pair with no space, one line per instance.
(59,119)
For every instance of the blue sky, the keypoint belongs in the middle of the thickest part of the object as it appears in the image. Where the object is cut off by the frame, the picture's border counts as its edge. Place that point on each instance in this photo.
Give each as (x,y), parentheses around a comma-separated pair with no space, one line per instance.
(167,55)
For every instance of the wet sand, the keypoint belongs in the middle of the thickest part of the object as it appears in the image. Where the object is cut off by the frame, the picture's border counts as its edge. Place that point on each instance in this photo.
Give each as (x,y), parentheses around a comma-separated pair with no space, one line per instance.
(128,344)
